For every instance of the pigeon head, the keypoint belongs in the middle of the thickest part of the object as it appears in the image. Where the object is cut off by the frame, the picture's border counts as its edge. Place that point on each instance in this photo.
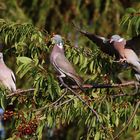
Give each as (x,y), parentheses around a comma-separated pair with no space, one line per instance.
(57,40)
(1,56)
(116,38)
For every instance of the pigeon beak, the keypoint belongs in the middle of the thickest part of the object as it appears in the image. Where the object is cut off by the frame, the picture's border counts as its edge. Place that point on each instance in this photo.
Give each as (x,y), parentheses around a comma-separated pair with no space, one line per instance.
(111,40)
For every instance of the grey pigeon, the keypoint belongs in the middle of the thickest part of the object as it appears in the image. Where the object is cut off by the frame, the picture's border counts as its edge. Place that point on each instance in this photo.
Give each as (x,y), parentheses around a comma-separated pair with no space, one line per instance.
(61,63)
(7,77)
(126,54)
(107,47)
(119,44)
(65,68)
(124,50)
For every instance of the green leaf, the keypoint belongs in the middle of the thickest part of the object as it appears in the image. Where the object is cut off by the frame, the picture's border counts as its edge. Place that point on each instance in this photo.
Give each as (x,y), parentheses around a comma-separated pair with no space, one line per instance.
(130,10)
(129,26)
(25,70)
(91,66)
(75,102)
(125,20)
(39,132)
(75,59)
(50,120)
(97,136)
(84,64)
(94,94)
(117,121)
(24,60)
(137,27)
(19,69)
(81,59)
(6,39)
(3,102)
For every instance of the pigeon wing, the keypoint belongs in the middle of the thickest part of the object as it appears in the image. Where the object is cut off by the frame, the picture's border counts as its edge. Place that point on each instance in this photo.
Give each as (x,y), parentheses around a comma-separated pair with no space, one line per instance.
(62,64)
(103,43)
(13,77)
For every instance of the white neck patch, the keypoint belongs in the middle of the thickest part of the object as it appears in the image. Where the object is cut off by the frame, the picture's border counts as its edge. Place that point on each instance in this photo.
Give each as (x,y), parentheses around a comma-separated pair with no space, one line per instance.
(121,39)
(60,46)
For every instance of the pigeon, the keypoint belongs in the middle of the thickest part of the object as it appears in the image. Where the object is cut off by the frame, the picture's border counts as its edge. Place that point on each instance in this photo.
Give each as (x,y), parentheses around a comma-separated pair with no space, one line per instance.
(126,54)
(7,77)
(61,63)
(124,50)
(65,68)
(119,44)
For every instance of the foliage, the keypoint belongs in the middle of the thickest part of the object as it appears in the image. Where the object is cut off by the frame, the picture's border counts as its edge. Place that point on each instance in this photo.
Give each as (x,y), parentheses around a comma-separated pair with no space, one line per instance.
(49,105)
(131,22)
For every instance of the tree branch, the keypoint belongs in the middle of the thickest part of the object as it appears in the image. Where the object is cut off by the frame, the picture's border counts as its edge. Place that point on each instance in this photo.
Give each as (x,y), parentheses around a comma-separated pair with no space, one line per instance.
(121,95)
(135,14)
(90,86)
(80,98)
(129,121)
(20,92)
(44,107)
(85,86)
(65,102)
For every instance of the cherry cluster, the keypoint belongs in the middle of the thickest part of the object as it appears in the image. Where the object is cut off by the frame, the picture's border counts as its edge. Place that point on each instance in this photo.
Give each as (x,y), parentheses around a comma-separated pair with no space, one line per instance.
(27,128)
(8,115)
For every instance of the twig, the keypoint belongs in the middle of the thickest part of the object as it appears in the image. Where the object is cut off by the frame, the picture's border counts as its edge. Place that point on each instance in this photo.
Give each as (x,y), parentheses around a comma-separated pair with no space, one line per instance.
(135,14)
(80,98)
(59,98)
(19,92)
(46,106)
(129,121)
(121,95)
(90,86)
(65,102)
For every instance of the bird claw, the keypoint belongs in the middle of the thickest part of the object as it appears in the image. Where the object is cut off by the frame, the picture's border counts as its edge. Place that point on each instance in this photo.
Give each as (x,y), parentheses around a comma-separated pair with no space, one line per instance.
(122,60)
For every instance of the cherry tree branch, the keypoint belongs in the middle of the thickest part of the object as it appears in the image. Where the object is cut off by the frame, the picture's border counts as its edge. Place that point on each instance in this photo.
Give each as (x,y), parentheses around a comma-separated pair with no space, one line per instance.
(79,97)
(129,121)
(20,92)
(85,86)
(46,106)
(90,86)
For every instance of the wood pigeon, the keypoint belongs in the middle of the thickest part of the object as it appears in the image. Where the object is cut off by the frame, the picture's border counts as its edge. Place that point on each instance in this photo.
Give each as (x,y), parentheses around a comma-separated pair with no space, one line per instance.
(65,68)
(126,54)
(61,63)
(124,50)
(106,46)
(7,77)
(119,44)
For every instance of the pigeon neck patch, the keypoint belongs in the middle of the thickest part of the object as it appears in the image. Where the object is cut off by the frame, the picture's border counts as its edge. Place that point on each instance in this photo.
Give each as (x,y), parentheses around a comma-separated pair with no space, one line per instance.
(60,45)
(121,39)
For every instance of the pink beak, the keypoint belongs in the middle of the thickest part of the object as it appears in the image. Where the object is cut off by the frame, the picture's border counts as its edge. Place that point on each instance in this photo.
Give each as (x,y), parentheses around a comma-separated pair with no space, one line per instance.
(111,40)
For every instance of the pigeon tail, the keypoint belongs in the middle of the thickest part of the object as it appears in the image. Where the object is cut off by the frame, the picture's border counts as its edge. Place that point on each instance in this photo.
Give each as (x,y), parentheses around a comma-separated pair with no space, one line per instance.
(79,81)
(136,68)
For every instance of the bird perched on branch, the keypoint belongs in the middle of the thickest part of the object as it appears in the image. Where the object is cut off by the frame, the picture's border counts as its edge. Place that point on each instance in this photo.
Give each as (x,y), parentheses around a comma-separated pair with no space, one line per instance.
(61,63)
(7,77)
(65,68)
(124,50)
(126,54)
